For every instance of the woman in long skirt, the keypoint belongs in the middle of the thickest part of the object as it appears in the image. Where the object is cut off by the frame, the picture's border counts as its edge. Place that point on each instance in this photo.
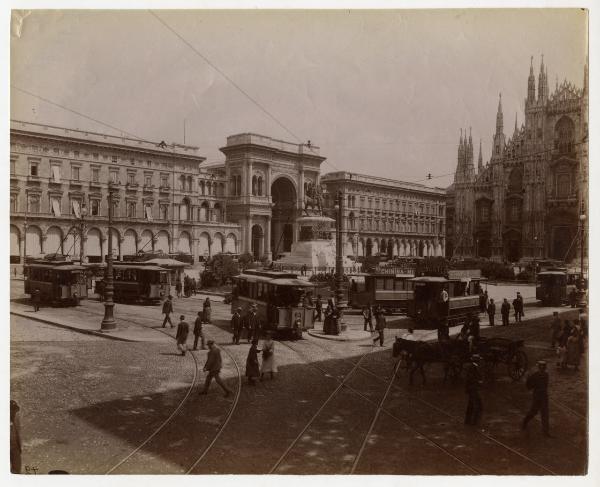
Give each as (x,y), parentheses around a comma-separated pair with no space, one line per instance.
(207,311)
(252,370)
(268,358)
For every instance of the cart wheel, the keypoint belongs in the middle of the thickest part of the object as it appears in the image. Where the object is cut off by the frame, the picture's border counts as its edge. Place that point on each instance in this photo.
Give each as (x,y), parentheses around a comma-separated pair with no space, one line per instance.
(517,365)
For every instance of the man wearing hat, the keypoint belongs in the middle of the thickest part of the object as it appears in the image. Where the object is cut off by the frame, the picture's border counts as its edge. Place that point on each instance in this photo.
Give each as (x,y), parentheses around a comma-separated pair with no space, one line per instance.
(213,366)
(472,383)
(198,332)
(236,325)
(183,330)
(254,327)
(538,384)
(167,309)
(518,307)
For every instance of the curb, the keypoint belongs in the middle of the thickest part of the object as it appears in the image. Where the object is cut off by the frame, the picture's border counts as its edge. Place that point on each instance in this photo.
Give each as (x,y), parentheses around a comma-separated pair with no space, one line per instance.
(72,328)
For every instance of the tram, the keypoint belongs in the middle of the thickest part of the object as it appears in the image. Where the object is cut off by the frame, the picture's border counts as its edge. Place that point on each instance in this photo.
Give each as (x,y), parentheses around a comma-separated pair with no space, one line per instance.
(391,292)
(58,280)
(555,285)
(427,308)
(140,282)
(280,298)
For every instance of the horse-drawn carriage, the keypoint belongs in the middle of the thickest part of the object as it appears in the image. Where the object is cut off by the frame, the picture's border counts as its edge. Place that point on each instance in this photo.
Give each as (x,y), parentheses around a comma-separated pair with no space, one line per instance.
(455,352)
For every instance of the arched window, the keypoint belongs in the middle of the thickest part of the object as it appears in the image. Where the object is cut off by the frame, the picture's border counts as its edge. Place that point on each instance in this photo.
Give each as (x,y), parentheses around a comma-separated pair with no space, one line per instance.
(202,188)
(260,186)
(564,135)
(239,185)
(351,221)
(204,211)
(217,213)
(253,185)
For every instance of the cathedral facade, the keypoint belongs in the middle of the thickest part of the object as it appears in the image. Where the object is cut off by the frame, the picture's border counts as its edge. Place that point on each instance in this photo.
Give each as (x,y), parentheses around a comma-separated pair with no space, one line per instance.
(529,200)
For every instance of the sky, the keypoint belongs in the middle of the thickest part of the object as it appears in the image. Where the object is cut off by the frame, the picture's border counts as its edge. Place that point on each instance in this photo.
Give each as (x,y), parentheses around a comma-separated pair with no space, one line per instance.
(383,93)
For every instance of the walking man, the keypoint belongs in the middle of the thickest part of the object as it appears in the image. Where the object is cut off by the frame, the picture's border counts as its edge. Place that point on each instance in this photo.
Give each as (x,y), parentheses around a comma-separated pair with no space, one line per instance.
(379,326)
(236,325)
(491,311)
(538,384)
(368,317)
(319,308)
(167,309)
(213,366)
(505,312)
(36,298)
(178,287)
(183,330)
(198,333)
(253,325)
(207,311)
(472,383)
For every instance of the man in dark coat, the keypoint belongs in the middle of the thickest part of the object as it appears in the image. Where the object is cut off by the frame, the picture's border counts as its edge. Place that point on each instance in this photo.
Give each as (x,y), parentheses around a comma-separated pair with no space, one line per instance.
(15,438)
(36,298)
(183,330)
(206,308)
(318,308)
(254,325)
(472,383)
(491,311)
(213,366)
(538,384)
(167,309)
(474,330)
(505,312)
(198,332)
(481,302)
(236,325)
(380,325)
(518,307)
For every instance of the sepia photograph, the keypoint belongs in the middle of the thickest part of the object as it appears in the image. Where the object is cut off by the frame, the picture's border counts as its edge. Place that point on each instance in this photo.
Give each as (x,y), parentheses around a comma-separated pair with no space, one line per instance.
(298,242)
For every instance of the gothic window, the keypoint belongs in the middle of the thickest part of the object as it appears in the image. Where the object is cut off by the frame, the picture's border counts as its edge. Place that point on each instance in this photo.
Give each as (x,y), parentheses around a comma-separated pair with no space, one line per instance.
(515,181)
(515,211)
(564,135)
(563,185)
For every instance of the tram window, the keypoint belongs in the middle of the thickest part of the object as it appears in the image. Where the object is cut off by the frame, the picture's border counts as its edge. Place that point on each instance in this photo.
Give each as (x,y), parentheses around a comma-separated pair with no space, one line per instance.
(389,284)
(380,283)
(162,277)
(118,275)
(133,275)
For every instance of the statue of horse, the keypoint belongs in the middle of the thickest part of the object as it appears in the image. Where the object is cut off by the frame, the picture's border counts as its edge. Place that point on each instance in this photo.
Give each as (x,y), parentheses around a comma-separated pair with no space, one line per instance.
(313,199)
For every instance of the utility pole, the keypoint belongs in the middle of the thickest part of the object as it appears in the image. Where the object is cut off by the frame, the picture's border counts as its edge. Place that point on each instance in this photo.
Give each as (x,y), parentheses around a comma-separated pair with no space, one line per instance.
(339,260)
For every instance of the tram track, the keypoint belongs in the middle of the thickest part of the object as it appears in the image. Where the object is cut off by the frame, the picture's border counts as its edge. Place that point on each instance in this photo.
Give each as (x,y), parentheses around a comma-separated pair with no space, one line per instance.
(379,409)
(179,408)
(444,412)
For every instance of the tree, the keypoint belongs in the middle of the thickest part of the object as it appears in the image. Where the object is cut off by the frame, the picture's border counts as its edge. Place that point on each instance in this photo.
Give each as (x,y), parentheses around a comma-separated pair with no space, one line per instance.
(220,269)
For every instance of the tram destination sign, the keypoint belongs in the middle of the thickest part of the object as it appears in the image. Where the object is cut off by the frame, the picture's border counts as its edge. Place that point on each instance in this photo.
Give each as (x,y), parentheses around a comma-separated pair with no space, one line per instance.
(464,273)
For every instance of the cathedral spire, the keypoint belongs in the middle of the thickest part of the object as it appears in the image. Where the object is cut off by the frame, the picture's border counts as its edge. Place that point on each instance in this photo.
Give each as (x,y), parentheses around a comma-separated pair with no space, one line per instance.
(531,84)
(479,160)
(499,117)
(516,130)
(543,83)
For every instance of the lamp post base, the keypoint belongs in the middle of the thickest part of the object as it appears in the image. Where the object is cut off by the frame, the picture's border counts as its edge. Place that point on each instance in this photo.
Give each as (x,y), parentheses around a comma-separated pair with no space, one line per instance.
(108,322)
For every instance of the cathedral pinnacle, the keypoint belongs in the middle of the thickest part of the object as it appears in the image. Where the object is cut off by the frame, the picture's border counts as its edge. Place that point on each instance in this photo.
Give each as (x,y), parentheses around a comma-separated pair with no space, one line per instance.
(499,117)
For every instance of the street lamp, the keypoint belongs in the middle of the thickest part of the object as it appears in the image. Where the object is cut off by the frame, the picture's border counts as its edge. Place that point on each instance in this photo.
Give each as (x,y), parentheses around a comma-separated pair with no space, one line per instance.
(108,322)
(535,239)
(582,219)
(339,260)
(84,213)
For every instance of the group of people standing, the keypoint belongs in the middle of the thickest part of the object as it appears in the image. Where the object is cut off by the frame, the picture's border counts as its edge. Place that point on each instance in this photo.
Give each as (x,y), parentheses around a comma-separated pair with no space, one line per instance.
(569,339)
(190,286)
(488,306)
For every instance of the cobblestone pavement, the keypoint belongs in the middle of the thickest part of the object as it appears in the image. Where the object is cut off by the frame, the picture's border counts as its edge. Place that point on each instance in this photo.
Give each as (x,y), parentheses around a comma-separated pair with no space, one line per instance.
(89,403)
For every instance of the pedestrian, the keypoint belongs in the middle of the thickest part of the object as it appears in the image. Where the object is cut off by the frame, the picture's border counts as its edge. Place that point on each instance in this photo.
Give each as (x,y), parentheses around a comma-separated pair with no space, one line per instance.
(304,269)
(167,309)
(368,318)
(537,383)
(194,284)
(213,366)
(573,349)
(318,308)
(178,287)
(36,298)
(474,332)
(15,438)
(472,383)
(556,327)
(207,311)
(505,312)
(252,368)
(198,332)
(486,298)
(573,298)
(297,327)
(481,302)
(518,307)
(491,311)
(268,358)
(246,323)
(327,322)
(254,325)
(444,302)
(183,330)
(443,331)
(236,325)
(562,344)
(380,324)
